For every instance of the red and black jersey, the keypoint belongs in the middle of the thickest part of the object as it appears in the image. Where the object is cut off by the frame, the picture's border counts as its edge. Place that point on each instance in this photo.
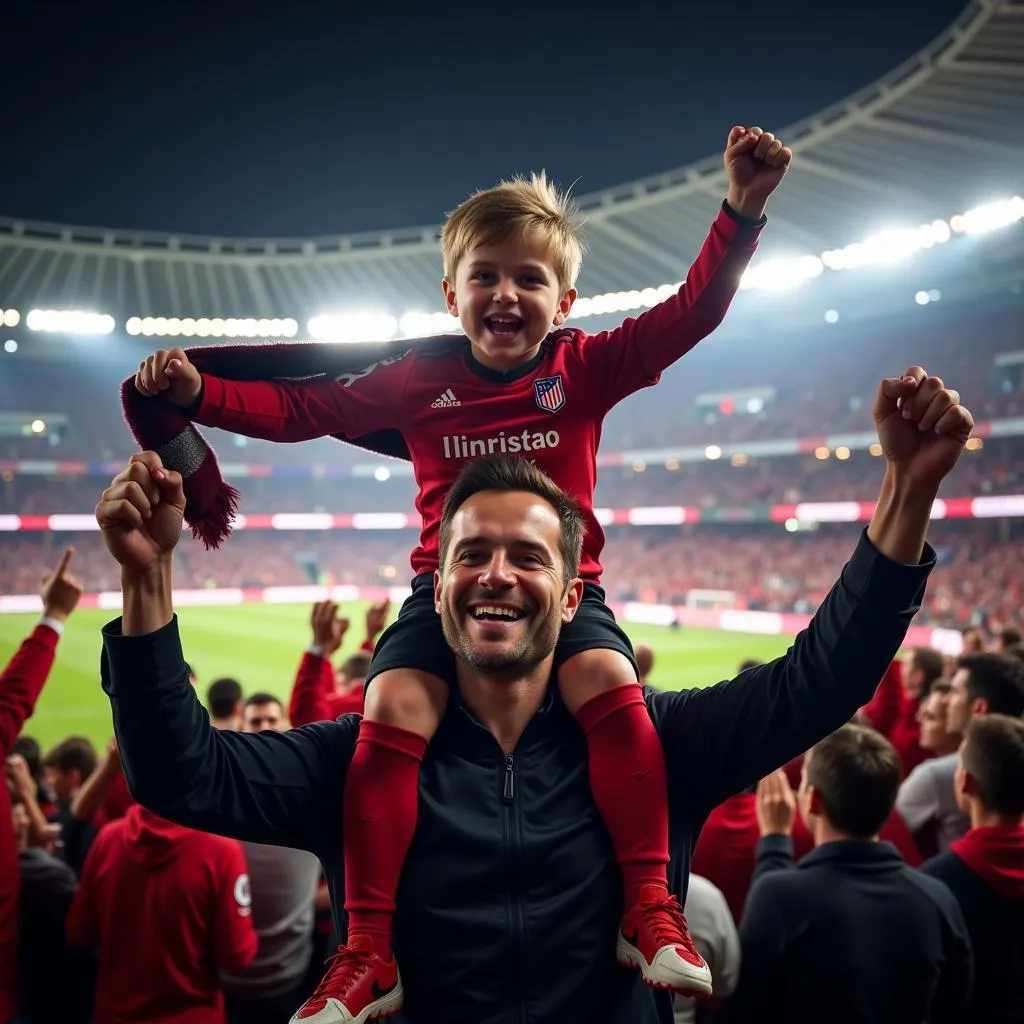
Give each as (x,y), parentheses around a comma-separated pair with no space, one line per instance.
(449,408)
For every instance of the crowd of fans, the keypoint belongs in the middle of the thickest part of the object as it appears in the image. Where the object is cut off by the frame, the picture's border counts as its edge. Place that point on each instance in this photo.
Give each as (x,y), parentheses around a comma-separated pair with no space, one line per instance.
(979,578)
(804,381)
(923,798)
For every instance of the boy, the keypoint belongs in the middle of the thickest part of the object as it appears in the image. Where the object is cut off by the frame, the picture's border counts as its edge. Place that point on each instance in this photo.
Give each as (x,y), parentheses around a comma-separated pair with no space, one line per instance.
(511,257)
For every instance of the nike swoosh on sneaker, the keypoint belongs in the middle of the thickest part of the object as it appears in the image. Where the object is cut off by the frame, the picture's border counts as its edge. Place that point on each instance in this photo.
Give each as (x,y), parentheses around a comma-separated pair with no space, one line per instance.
(379,993)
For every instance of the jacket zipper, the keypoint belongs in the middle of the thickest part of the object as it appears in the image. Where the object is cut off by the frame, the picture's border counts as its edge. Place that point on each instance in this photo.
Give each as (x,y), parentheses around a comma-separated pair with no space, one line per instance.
(515,894)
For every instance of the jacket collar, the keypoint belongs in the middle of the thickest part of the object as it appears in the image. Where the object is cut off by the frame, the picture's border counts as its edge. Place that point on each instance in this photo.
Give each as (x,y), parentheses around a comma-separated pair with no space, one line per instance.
(854,851)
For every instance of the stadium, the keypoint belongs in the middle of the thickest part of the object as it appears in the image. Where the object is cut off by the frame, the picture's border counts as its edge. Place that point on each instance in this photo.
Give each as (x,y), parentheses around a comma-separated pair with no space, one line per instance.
(731,494)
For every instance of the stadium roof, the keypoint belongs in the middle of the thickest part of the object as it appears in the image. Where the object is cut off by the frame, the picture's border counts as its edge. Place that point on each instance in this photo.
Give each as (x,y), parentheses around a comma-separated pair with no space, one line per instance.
(939,134)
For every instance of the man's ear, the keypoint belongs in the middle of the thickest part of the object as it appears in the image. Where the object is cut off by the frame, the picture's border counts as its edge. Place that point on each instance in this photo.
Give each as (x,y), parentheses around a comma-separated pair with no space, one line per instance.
(437,591)
(571,599)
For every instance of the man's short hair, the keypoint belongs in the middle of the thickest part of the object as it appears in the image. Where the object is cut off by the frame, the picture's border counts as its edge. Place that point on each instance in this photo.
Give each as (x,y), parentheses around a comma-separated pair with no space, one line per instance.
(1010,635)
(942,687)
(223,696)
(356,666)
(509,473)
(993,754)
(73,752)
(748,663)
(1015,651)
(931,663)
(517,208)
(856,773)
(263,698)
(998,678)
(28,748)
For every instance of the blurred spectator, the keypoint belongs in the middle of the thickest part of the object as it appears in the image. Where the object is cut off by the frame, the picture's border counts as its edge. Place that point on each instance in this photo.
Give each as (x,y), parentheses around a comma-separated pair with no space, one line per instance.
(850,933)
(263,711)
(985,868)
(644,661)
(1008,637)
(936,740)
(66,767)
(716,938)
(167,908)
(21,682)
(984,684)
(224,702)
(922,668)
(47,887)
(284,886)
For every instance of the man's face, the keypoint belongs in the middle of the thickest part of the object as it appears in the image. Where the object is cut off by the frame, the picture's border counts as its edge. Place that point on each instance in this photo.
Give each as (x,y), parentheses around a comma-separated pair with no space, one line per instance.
(912,677)
(507,297)
(259,717)
(958,707)
(63,783)
(974,641)
(932,718)
(500,593)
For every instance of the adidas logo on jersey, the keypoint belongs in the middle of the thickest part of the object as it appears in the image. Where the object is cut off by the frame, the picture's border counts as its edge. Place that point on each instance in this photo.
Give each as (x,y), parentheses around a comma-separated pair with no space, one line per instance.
(446,400)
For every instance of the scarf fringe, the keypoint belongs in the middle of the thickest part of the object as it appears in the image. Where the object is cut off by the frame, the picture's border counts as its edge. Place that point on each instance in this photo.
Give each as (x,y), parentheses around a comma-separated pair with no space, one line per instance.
(218,517)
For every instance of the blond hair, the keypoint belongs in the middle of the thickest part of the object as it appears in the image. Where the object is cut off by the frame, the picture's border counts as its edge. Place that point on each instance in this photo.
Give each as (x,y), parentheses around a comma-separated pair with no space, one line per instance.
(516,208)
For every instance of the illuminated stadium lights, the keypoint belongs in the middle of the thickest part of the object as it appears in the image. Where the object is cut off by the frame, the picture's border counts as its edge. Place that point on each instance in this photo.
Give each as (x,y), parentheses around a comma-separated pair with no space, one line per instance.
(842,453)
(712,452)
(779,274)
(382,473)
(876,448)
(211,327)
(353,327)
(426,325)
(10,345)
(621,302)
(974,444)
(10,317)
(739,459)
(821,453)
(831,316)
(672,465)
(69,321)
(37,426)
(989,217)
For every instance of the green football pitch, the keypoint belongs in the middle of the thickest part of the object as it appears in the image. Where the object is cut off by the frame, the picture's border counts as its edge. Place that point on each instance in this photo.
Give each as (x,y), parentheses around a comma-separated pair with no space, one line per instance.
(260,645)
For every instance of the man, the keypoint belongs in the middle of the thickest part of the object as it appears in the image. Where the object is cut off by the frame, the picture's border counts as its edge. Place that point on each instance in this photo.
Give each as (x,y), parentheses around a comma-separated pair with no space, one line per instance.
(986,683)
(67,766)
(1008,637)
(922,667)
(510,897)
(936,739)
(224,702)
(850,934)
(284,886)
(263,711)
(985,868)
(21,682)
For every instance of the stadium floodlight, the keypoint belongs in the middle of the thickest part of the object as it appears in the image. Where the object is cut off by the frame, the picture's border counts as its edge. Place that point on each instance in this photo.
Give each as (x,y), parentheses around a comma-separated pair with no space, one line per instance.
(382,473)
(712,452)
(10,317)
(831,316)
(37,426)
(425,325)
(69,321)
(782,274)
(353,327)
(10,346)
(211,327)
(1000,213)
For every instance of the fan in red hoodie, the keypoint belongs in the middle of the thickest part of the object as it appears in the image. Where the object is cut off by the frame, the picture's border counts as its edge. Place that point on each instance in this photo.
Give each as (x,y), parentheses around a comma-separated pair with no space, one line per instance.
(168,908)
(315,693)
(984,869)
(21,682)
(726,849)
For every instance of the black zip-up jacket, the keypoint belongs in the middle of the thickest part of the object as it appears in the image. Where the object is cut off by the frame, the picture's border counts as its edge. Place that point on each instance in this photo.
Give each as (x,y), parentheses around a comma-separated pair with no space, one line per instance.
(510,897)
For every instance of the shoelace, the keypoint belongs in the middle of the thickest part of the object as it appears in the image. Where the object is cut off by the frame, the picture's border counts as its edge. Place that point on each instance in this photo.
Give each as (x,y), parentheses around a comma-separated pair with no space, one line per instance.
(668,923)
(343,970)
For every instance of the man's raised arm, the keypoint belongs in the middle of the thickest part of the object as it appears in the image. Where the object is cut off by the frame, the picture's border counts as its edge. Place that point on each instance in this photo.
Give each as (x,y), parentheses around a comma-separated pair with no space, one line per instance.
(736,732)
(272,788)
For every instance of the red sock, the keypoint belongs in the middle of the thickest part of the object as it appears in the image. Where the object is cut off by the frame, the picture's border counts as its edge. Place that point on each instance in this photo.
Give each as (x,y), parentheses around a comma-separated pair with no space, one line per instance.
(381,800)
(627,778)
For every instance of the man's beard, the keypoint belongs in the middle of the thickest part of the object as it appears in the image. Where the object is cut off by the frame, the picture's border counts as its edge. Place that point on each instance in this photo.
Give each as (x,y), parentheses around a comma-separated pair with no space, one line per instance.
(521,658)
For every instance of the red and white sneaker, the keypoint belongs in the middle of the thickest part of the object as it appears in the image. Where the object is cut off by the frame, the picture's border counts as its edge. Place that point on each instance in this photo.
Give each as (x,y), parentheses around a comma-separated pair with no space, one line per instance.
(654,938)
(359,986)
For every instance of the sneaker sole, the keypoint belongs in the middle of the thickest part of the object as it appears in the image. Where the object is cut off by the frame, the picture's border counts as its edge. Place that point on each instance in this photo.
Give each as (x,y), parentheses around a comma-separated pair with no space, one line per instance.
(379,1009)
(691,982)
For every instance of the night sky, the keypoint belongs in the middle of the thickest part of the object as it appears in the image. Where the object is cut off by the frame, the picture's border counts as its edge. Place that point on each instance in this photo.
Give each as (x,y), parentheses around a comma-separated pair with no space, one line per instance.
(311,118)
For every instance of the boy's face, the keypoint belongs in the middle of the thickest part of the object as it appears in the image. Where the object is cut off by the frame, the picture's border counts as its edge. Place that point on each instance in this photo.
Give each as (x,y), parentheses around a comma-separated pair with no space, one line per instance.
(508,298)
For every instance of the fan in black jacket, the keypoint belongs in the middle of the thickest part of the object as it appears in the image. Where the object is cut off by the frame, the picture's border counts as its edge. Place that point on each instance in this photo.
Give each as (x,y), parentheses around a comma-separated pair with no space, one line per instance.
(509,902)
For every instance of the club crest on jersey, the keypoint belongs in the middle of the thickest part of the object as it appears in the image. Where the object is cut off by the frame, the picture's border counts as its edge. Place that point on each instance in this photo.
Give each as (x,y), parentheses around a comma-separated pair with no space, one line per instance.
(549,393)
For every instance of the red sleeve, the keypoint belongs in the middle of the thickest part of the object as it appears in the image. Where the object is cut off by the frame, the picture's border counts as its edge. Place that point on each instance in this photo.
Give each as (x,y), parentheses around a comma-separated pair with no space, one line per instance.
(83,922)
(895,830)
(633,355)
(279,411)
(883,710)
(234,940)
(22,681)
(311,691)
